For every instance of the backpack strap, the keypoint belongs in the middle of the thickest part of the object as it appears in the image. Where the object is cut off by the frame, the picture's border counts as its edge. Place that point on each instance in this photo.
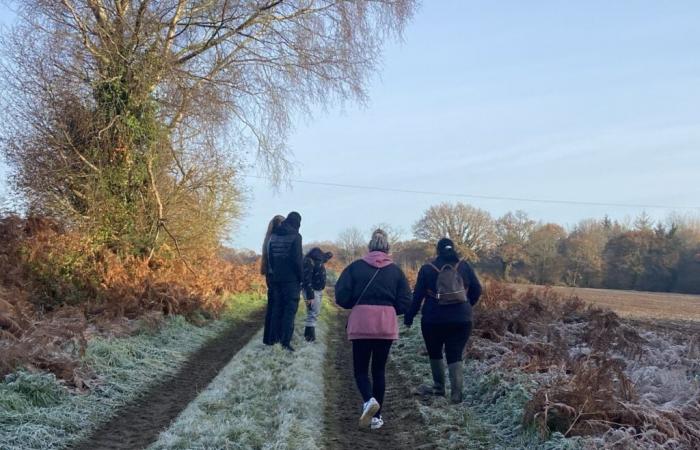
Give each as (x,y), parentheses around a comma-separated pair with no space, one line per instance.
(454,266)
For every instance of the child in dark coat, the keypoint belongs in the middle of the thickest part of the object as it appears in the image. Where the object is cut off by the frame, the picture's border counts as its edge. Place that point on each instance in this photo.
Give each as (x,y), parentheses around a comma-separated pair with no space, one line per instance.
(313,284)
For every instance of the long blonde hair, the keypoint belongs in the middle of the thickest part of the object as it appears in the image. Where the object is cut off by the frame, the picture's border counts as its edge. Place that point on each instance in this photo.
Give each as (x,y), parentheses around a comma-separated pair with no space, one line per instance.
(274,223)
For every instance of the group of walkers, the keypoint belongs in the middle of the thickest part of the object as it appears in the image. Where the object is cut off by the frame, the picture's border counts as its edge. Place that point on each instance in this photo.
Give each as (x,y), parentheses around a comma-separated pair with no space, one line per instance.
(376,291)
(287,274)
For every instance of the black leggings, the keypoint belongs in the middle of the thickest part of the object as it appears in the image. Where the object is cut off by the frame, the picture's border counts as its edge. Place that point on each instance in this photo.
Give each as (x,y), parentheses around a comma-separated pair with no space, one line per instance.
(450,337)
(378,351)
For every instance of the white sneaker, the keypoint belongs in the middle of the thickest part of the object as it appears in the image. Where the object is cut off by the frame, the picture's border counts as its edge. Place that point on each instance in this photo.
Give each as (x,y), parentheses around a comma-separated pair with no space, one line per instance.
(377,423)
(369,409)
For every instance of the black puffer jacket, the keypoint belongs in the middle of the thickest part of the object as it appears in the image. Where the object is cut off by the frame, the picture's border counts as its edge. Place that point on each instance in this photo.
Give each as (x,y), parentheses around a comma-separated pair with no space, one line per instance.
(389,288)
(315,272)
(285,255)
(434,313)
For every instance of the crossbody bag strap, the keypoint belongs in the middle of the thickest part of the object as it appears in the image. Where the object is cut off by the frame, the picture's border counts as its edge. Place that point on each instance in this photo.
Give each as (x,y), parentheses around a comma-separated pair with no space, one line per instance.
(367,286)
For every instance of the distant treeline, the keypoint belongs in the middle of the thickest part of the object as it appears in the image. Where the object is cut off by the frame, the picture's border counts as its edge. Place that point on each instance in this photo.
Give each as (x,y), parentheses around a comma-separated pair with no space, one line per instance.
(638,254)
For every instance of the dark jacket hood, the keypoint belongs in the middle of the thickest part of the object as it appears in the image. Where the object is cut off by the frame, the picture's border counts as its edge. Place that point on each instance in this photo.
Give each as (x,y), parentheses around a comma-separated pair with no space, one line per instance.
(319,255)
(286,228)
(378,259)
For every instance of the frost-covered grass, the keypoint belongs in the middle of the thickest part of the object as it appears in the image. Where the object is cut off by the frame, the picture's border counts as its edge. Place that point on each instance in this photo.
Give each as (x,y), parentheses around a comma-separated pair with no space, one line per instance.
(39,412)
(265,398)
(490,417)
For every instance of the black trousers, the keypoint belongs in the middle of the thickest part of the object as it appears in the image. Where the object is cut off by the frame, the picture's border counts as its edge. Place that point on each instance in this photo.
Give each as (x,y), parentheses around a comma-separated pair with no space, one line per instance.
(376,350)
(269,336)
(447,338)
(285,302)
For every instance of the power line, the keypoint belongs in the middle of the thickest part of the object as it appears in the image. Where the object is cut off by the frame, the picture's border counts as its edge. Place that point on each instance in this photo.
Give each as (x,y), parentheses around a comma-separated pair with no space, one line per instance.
(478,196)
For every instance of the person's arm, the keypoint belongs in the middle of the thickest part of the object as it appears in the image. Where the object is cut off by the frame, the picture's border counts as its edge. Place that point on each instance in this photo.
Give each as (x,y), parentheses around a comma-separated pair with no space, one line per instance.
(343,290)
(472,283)
(322,273)
(307,279)
(298,257)
(419,293)
(403,295)
(264,264)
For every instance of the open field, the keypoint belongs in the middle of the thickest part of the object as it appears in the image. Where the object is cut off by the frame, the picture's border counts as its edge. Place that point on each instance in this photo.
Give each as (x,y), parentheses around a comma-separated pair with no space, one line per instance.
(633,304)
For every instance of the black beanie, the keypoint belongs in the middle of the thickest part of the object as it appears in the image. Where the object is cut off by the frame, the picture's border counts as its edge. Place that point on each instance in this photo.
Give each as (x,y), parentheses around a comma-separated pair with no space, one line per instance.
(446,249)
(294,219)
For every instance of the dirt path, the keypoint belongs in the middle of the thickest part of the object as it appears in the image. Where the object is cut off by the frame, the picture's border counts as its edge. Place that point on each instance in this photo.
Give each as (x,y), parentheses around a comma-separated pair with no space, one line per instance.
(403,423)
(138,424)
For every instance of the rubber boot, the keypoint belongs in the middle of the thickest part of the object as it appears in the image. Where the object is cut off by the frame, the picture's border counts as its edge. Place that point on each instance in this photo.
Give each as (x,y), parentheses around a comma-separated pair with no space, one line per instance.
(310,334)
(456,381)
(438,388)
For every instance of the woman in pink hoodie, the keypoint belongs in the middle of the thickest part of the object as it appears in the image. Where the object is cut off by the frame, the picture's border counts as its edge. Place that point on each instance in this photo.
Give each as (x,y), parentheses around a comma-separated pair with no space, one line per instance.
(377,291)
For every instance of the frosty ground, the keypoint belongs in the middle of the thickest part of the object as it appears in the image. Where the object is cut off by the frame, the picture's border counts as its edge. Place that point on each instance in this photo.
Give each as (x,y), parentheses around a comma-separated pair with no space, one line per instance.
(543,372)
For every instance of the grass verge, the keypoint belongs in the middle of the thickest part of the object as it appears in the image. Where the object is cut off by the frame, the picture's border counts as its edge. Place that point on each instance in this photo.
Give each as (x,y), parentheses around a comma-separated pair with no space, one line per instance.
(265,398)
(490,417)
(37,411)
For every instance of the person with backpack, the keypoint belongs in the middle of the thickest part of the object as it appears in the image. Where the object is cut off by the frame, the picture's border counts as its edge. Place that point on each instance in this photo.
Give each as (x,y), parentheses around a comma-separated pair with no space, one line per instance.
(313,285)
(285,269)
(376,291)
(447,288)
(269,337)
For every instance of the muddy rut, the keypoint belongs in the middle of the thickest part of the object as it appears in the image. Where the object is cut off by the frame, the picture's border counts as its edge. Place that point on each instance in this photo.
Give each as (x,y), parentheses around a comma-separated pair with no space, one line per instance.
(403,425)
(138,424)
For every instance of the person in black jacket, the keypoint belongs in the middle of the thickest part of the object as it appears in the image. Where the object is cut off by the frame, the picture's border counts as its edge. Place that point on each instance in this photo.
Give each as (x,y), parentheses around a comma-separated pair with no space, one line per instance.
(376,290)
(446,328)
(313,285)
(285,271)
(269,337)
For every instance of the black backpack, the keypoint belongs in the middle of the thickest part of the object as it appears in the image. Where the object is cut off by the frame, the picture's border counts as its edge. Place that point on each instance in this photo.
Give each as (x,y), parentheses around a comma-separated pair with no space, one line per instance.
(449,285)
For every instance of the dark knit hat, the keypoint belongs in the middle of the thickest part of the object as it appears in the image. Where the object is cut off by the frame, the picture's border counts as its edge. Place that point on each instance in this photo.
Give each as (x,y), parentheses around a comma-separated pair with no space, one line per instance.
(294,219)
(445,244)
(446,249)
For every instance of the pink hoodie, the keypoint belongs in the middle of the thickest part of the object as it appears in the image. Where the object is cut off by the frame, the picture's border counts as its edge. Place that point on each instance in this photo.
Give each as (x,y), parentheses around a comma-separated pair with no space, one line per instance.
(374,321)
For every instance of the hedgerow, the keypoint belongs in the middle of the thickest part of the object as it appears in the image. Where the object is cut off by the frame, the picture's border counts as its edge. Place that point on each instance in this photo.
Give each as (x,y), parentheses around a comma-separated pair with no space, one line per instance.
(58,287)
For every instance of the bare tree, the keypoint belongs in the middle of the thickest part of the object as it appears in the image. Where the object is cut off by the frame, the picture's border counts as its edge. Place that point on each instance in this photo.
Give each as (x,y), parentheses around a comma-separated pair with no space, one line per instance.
(544,253)
(394,233)
(583,250)
(352,244)
(472,229)
(512,234)
(130,117)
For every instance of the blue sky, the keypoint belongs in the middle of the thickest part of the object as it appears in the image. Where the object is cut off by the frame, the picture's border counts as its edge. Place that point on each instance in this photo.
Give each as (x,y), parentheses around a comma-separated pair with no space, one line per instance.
(589,101)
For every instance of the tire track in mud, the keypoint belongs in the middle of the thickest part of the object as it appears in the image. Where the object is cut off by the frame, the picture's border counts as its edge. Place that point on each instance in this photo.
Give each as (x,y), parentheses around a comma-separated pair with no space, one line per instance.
(138,424)
(403,427)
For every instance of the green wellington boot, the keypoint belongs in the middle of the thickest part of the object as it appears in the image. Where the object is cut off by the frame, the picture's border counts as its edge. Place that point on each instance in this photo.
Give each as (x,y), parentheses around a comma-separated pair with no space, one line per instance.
(438,388)
(456,381)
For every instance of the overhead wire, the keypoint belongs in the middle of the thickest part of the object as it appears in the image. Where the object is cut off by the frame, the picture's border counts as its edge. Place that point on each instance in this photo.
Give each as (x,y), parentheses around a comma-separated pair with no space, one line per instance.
(482,196)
